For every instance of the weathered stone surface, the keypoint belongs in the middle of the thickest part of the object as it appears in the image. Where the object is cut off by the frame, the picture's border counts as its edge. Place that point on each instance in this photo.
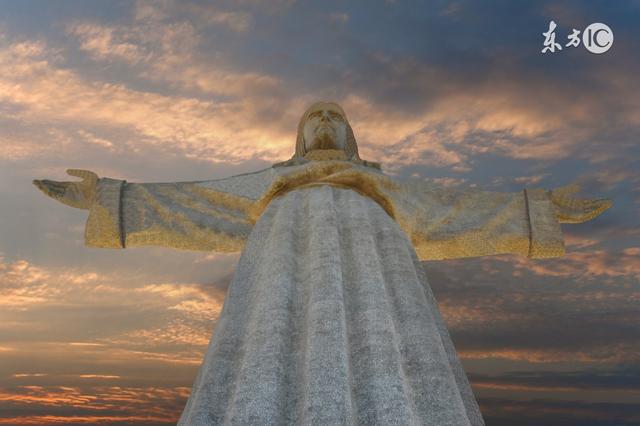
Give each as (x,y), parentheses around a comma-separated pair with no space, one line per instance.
(442,223)
(331,327)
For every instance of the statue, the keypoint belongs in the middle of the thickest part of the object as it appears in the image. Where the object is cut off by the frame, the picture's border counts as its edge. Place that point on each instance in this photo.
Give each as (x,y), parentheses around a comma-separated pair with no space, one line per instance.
(329,319)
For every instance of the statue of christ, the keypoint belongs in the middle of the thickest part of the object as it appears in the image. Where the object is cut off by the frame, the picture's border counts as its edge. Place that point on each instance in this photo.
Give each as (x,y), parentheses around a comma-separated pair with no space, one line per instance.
(329,319)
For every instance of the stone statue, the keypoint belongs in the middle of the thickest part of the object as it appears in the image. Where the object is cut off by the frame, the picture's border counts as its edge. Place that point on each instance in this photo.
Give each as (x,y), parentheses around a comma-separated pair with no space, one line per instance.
(329,319)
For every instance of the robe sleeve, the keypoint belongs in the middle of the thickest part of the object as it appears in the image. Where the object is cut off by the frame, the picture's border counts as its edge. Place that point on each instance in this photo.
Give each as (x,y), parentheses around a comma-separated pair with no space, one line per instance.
(447,223)
(205,215)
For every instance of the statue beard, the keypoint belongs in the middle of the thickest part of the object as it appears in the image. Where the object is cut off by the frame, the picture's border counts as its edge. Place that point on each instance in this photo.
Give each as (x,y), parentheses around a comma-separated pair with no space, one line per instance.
(323,139)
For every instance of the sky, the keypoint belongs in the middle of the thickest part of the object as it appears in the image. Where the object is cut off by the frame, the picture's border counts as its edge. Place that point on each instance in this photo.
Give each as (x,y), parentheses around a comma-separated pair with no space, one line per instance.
(453,92)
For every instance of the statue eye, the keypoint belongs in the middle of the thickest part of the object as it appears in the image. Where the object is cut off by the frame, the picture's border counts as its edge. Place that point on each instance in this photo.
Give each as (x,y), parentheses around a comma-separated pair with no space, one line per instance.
(336,116)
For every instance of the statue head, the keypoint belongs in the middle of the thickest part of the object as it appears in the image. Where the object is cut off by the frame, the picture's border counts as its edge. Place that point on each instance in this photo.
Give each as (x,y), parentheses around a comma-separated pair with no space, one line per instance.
(324,126)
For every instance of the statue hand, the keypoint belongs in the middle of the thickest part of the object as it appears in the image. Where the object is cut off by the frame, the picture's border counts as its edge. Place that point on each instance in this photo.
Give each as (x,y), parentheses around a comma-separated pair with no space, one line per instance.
(576,210)
(74,194)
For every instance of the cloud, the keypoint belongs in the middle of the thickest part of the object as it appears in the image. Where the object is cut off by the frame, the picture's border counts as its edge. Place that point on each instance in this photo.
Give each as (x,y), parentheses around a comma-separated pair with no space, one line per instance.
(448,182)
(168,52)
(530,180)
(26,286)
(20,375)
(202,14)
(166,322)
(234,20)
(614,379)
(590,354)
(103,43)
(90,330)
(589,264)
(98,376)
(580,307)
(92,405)
(460,122)
(199,129)
(445,120)
(531,412)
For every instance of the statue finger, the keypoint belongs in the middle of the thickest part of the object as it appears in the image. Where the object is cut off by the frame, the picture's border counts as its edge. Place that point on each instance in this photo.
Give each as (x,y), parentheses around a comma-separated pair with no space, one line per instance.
(570,203)
(589,204)
(590,210)
(38,184)
(573,188)
(565,191)
(52,188)
(84,174)
(600,205)
(56,187)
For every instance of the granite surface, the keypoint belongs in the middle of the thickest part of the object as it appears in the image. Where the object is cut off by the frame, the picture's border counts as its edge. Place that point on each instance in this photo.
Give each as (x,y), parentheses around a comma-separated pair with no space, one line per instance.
(329,321)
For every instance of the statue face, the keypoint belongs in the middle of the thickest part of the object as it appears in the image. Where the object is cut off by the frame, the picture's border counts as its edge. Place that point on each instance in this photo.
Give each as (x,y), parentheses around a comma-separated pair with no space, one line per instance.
(325,128)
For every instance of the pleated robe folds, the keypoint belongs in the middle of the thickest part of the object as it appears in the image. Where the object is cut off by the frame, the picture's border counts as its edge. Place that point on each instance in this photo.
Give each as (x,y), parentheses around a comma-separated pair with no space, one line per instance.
(329,320)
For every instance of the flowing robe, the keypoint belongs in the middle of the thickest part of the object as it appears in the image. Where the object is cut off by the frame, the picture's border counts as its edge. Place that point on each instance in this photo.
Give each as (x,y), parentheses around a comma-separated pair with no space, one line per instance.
(329,318)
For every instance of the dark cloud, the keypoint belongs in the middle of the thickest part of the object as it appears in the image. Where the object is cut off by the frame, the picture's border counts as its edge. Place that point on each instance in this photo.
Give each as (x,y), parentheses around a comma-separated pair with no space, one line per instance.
(621,378)
(558,307)
(505,412)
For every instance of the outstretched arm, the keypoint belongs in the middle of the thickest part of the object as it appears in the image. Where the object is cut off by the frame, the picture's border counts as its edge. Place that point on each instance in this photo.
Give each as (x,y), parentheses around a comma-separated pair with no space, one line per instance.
(206,215)
(452,223)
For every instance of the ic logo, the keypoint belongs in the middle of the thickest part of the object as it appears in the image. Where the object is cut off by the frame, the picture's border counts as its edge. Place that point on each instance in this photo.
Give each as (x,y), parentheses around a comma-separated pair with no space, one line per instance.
(597,38)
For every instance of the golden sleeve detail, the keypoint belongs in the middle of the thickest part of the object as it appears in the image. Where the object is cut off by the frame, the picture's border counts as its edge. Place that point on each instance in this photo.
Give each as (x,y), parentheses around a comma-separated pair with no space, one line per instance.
(208,215)
(448,223)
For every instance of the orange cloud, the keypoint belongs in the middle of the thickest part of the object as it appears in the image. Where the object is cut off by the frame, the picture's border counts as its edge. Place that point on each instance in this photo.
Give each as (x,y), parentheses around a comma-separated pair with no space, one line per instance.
(102,43)
(30,78)
(96,405)
(98,376)
(234,129)
(516,387)
(613,354)
(591,264)
(20,375)
(185,314)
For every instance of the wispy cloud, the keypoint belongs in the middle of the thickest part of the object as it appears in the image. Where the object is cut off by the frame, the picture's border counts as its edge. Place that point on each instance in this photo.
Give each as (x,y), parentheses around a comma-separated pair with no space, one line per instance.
(45,92)
(166,323)
(589,264)
(91,405)
(103,43)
